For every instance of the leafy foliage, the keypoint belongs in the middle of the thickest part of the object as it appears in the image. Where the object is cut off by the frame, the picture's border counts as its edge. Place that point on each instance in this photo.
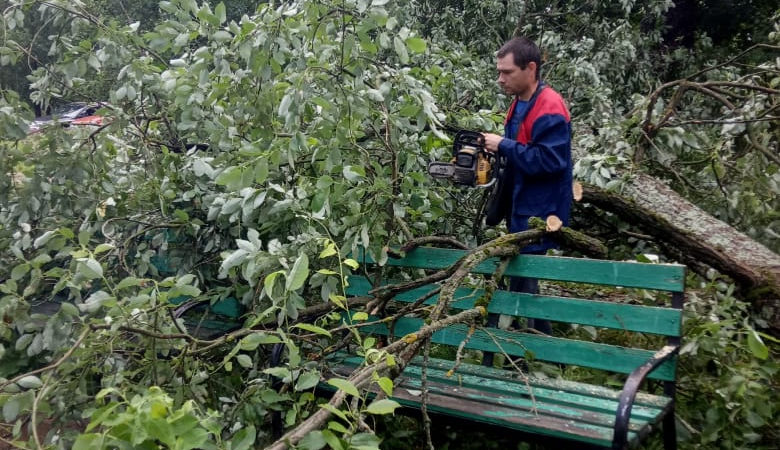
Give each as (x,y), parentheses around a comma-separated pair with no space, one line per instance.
(247,152)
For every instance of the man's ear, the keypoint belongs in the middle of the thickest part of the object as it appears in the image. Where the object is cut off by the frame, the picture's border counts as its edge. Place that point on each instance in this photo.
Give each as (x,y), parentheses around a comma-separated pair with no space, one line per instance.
(535,68)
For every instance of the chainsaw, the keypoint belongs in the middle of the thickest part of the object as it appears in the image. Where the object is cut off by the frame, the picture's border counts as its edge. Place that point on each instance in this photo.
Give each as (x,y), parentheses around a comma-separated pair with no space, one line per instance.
(471,164)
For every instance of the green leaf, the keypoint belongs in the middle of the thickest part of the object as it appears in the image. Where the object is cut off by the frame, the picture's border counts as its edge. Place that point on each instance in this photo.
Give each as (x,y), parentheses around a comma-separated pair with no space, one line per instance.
(44,238)
(351,263)
(386,384)
(69,309)
(90,268)
(103,248)
(364,441)
(84,237)
(339,300)
(336,426)
(89,441)
(101,414)
(313,441)
(105,391)
(220,12)
(261,171)
(222,36)
(360,316)
(30,382)
(192,439)
(353,173)
(230,178)
(251,342)
(400,50)
(269,281)
(19,271)
(345,386)
(312,328)
(128,282)
(278,372)
(329,250)
(307,381)
(757,346)
(384,406)
(337,412)
(642,258)
(244,438)
(187,291)
(40,260)
(298,274)
(244,360)
(416,44)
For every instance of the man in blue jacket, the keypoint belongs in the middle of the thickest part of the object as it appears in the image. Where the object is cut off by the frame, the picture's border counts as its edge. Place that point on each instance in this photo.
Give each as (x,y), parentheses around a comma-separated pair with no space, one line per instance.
(537,148)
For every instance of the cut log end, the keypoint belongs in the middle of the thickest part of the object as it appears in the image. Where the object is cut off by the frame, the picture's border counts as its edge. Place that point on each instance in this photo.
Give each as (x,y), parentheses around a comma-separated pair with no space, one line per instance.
(553,223)
(576,189)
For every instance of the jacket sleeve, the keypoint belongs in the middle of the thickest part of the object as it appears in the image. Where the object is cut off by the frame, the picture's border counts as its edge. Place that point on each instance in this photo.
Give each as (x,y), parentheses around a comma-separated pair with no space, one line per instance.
(548,152)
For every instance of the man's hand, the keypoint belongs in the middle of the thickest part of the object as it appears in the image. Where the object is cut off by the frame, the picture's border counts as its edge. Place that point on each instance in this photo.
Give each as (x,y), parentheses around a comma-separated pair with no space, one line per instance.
(492,141)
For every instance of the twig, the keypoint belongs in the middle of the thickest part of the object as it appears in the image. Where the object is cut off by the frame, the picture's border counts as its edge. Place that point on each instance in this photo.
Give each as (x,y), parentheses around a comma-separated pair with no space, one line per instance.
(524,376)
(51,366)
(424,405)
(751,132)
(34,414)
(406,348)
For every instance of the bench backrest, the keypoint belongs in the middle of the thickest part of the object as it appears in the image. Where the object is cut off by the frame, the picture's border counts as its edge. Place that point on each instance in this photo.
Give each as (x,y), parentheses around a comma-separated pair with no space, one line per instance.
(664,320)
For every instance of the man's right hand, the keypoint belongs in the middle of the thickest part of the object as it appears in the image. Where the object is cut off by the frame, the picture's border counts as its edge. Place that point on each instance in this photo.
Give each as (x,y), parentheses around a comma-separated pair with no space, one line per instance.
(491,142)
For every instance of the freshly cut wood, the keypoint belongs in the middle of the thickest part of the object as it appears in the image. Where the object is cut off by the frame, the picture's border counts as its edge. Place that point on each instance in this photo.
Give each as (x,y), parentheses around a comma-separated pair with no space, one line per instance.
(576,189)
(553,223)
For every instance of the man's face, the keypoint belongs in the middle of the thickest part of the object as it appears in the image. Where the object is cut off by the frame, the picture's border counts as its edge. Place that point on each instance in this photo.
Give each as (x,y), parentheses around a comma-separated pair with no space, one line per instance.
(514,80)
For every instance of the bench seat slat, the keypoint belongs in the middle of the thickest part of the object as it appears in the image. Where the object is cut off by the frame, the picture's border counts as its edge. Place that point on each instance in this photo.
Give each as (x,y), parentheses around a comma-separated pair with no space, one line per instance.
(510,407)
(557,350)
(601,410)
(654,402)
(665,277)
(645,319)
(518,390)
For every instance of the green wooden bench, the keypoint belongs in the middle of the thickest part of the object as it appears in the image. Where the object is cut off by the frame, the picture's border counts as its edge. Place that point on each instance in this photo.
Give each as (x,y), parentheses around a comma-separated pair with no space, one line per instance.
(203,319)
(554,408)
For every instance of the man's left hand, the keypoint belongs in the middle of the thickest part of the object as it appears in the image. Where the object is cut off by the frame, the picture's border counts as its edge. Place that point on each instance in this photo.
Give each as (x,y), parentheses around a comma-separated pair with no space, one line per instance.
(492,141)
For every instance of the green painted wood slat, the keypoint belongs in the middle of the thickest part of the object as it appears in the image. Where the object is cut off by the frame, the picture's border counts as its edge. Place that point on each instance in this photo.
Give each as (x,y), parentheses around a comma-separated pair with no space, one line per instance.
(665,277)
(557,350)
(476,405)
(654,402)
(517,391)
(645,319)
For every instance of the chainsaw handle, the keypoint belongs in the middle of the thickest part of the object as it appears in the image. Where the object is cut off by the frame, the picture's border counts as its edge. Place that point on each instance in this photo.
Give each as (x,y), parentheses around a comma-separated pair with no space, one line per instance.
(487,185)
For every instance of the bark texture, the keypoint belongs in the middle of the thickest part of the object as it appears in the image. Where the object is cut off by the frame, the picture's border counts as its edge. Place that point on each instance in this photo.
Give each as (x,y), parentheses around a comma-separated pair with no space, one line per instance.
(697,239)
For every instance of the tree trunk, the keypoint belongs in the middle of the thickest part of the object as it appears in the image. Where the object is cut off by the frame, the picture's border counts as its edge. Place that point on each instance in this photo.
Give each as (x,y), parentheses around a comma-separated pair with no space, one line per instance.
(699,240)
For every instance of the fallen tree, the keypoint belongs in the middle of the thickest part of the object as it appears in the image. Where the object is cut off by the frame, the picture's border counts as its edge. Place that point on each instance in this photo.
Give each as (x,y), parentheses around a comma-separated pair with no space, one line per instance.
(695,238)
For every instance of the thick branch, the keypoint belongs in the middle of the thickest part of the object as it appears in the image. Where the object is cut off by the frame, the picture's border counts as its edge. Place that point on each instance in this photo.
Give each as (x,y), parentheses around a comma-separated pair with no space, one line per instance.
(686,231)
(363,376)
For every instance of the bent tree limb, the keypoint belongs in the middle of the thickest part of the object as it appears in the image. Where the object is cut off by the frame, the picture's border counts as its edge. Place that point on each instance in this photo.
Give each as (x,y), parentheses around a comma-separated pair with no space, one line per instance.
(363,376)
(697,239)
(407,347)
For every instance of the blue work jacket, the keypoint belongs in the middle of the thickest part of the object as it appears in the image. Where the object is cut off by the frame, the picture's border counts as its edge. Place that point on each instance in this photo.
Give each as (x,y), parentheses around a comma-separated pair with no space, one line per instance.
(539,164)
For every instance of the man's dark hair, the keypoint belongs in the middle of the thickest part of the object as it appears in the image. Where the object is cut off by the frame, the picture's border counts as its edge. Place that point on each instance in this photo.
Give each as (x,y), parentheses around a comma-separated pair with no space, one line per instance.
(524,51)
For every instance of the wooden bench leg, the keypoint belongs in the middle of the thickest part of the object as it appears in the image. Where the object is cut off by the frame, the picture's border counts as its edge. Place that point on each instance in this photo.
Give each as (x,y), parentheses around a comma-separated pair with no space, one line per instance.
(670,431)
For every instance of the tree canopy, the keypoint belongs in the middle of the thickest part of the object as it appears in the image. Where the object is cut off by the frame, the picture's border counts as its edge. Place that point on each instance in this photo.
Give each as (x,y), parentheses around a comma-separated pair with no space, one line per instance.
(248,149)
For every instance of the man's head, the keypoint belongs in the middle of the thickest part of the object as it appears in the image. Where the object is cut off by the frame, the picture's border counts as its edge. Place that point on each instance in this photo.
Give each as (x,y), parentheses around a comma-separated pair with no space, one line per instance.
(518,65)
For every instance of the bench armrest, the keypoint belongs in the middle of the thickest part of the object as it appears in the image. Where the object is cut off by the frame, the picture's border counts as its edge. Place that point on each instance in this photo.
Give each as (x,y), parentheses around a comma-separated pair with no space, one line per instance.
(630,388)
